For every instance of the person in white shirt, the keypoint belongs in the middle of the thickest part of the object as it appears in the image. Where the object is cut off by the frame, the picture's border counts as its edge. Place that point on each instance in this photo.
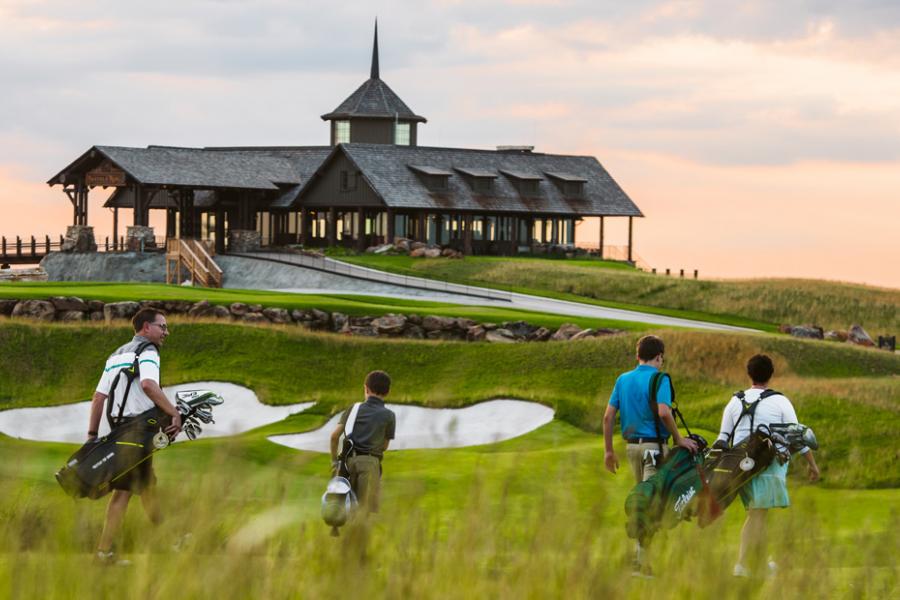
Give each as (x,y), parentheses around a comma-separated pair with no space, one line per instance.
(769,488)
(150,330)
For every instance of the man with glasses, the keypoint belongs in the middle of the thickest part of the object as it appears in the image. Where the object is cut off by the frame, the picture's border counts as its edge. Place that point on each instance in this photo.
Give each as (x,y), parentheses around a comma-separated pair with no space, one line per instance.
(151,331)
(646,441)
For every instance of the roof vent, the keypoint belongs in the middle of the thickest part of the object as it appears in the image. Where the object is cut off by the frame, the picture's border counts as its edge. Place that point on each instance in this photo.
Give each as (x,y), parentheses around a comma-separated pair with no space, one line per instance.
(515,149)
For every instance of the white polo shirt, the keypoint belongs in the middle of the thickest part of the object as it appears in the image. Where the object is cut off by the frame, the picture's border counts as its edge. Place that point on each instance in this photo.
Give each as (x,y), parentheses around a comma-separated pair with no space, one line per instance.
(123,358)
(773,409)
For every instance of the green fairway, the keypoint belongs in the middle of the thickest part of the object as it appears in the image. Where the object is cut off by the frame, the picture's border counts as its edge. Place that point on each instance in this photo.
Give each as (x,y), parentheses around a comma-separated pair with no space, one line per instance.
(759,304)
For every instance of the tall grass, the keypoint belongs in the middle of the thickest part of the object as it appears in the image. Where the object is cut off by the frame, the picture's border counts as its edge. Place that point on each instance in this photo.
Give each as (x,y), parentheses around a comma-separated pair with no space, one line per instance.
(523,519)
(795,301)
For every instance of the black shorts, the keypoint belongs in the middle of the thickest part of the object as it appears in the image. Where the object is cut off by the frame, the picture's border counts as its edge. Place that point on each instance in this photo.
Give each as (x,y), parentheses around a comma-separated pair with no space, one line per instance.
(137,479)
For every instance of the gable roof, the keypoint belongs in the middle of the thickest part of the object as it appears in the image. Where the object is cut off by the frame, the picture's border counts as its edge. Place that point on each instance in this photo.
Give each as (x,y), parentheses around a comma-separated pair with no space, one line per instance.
(386,169)
(263,168)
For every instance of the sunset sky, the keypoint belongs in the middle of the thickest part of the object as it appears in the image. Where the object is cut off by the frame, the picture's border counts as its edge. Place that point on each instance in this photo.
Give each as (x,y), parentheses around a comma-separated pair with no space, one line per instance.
(760,139)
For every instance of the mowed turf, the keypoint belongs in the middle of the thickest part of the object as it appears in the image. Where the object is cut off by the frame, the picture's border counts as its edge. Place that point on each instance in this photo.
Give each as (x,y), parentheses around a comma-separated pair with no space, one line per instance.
(757,303)
(842,391)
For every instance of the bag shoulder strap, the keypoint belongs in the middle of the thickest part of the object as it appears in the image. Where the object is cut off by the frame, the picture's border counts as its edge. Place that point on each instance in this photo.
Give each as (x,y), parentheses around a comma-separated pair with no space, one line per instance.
(749,408)
(351,420)
(131,373)
(655,383)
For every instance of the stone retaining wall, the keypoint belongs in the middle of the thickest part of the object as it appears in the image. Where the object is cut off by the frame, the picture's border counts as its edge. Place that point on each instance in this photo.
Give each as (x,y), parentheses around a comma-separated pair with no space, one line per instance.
(74,309)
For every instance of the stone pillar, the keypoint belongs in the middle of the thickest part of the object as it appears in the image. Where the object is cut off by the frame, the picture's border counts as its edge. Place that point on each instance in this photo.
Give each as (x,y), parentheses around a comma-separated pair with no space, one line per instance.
(243,240)
(79,238)
(135,234)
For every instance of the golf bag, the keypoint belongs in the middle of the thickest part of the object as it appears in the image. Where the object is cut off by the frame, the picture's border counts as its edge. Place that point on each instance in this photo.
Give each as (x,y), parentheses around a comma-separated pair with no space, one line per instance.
(338,503)
(665,498)
(98,464)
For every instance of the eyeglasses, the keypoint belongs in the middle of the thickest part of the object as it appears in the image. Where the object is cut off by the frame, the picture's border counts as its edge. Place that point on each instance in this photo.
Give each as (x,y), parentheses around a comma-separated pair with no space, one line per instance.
(162,326)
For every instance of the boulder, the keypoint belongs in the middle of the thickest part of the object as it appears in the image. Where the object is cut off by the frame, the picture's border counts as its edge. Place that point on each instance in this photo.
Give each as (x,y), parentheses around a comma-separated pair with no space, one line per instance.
(785,328)
(200,309)
(476,333)
(255,317)
(582,334)
(857,335)
(238,309)
(520,328)
(255,308)
(440,334)
(66,303)
(40,310)
(300,315)
(97,305)
(464,324)
(413,332)
(340,322)
(7,306)
(414,319)
(402,244)
(363,330)
(432,253)
(448,252)
(490,326)
(417,253)
(808,331)
(605,331)
(389,324)
(565,332)
(96,315)
(501,335)
(417,245)
(321,315)
(383,248)
(155,304)
(361,321)
(435,323)
(279,316)
(70,315)
(836,336)
(541,334)
(220,312)
(120,310)
(180,307)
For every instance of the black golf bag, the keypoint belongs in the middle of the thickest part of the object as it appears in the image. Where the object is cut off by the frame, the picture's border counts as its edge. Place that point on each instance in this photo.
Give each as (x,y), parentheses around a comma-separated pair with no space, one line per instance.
(96,466)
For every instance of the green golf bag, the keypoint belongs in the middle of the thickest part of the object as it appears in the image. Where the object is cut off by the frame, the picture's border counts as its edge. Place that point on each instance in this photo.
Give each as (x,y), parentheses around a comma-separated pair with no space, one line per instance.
(666,497)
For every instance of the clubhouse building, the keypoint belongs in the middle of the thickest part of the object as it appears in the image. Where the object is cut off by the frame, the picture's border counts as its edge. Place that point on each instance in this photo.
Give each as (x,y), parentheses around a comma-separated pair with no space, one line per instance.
(372,184)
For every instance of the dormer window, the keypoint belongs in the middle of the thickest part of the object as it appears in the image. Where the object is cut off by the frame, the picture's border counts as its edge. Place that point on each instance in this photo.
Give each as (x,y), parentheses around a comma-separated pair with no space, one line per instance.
(480,180)
(342,132)
(401,134)
(570,186)
(434,178)
(527,184)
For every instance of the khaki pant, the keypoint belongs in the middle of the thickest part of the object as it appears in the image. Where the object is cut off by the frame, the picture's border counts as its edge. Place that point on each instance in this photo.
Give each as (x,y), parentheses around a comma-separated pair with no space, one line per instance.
(365,479)
(643,459)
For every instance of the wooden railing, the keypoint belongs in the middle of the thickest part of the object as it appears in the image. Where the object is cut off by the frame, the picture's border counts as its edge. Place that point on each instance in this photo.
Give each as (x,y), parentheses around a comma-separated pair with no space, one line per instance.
(196,258)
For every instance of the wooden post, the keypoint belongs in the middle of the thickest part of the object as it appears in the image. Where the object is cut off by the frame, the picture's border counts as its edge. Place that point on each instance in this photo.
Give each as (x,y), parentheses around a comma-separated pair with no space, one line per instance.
(361,229)
(332,226)
(220,229)
(304,226)
(47,249)
(422,228)
(391,225)
(630,237)
(33,246)
(115,231)
(18,246)
(601,237)
(467,236)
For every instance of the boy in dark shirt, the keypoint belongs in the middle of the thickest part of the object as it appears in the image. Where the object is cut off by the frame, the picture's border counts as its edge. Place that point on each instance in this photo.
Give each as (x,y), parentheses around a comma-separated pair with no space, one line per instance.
(372,431)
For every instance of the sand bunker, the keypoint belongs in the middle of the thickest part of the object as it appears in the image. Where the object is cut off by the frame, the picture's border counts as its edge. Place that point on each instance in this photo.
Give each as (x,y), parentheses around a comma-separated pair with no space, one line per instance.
(417,427)
(241,412)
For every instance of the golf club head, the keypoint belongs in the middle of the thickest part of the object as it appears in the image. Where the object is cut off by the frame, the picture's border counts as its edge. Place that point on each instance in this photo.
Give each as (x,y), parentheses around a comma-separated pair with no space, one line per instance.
(809,439)
(195,398)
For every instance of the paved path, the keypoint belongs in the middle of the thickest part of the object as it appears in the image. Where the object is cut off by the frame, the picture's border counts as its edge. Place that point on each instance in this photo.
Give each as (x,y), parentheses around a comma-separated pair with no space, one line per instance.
(371,282)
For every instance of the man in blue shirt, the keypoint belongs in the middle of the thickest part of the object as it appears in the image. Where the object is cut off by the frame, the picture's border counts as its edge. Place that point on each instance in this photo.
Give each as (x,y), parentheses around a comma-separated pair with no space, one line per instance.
(631,397)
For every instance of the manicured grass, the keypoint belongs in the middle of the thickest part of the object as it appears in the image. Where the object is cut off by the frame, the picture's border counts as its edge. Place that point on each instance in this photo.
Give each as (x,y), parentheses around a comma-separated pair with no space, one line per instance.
(761,304)
(54,364)
(348,304)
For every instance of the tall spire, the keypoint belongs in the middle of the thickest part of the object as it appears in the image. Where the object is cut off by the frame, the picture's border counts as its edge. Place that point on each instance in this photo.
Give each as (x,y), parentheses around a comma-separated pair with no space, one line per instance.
(374,73)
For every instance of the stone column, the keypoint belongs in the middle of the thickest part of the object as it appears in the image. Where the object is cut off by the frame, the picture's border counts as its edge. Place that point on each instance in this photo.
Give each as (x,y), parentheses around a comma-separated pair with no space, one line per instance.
(79,238)
(136,234)
(244,240)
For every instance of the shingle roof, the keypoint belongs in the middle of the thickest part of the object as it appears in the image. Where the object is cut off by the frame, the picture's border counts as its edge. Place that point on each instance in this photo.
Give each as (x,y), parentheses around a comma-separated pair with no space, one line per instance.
(474,172)
(374,99)
(386,169)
